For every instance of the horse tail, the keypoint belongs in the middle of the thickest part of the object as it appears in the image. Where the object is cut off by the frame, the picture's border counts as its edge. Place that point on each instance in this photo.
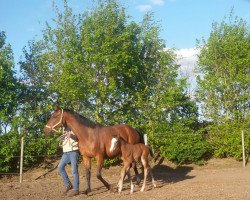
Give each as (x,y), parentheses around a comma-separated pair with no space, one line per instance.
(141,135)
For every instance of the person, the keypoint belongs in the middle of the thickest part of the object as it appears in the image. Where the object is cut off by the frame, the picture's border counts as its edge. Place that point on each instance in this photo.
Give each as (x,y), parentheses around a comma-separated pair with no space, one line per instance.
(70,155)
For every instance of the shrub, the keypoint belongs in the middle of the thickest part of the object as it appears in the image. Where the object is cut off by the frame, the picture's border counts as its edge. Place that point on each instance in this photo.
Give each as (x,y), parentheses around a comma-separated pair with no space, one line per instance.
(35,147)
(225,140)
(182,146)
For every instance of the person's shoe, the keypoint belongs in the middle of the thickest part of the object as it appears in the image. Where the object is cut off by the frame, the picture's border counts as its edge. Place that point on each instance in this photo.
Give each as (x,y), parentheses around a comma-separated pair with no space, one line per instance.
(73,193)
(69,187)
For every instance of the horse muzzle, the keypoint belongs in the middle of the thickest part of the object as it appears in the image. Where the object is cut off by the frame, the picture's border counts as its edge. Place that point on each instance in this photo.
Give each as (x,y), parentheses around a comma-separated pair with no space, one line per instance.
(47,130)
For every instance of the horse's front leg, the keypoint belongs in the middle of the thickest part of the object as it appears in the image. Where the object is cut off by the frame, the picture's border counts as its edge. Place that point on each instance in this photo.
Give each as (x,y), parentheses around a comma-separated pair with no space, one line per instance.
(99,160)
(87,164)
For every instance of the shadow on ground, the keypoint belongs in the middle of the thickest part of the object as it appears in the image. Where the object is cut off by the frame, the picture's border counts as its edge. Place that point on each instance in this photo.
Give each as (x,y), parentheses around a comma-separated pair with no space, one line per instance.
(164,174)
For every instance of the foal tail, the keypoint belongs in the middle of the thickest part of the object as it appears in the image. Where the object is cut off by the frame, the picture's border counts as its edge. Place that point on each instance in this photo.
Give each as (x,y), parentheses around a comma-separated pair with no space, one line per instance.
(151,152)
(153,157)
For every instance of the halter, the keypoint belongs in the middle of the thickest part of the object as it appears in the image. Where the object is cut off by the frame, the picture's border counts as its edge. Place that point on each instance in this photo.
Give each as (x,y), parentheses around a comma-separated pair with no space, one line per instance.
(53,127)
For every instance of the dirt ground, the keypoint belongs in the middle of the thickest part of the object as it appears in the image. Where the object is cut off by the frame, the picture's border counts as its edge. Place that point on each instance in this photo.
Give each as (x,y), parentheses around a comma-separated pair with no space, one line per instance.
(218,179)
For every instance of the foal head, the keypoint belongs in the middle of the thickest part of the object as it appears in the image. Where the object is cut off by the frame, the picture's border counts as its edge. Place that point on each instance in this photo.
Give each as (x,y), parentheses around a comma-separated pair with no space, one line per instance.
(115,142)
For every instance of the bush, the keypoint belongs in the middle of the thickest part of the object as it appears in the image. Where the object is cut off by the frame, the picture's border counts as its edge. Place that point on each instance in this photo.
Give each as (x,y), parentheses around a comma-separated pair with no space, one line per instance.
(35,147)
(9,152)
(182,146)
(225,140)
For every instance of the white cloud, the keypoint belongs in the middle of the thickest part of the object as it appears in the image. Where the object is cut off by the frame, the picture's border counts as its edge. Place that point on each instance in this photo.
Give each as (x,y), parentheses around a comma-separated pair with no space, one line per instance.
(187,52)
(147,7)
(158,2)
(187,59)
(144,7)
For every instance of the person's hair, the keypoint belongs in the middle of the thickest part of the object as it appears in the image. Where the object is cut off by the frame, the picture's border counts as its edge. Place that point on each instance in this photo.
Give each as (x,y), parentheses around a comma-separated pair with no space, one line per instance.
(67,129)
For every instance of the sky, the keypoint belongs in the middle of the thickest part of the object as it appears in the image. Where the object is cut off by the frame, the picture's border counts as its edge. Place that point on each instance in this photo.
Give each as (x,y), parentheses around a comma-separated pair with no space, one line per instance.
(182,22)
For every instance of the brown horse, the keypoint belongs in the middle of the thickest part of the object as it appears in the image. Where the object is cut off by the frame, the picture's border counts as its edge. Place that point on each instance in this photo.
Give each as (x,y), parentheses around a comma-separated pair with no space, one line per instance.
(94,139)
(130,154)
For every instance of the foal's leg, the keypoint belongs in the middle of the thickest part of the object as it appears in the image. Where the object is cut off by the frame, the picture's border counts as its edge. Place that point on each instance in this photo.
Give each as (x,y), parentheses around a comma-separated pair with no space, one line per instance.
(138,180)
(144,161)
(120,182)
(99,160)
(125,169)
(131,182)
(151,173)
(87,164)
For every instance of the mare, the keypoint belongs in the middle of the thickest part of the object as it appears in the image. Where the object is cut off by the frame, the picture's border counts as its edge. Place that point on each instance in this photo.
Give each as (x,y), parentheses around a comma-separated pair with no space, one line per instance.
(94,139)
(130,154)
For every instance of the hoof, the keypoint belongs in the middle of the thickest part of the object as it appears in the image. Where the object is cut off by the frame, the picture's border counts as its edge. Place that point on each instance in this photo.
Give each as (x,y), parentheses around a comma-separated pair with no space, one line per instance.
(138,180)
(87,191)
(113,189)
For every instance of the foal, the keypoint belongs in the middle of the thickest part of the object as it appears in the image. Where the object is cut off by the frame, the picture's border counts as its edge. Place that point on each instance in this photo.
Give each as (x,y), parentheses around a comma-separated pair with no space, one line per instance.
(130,154)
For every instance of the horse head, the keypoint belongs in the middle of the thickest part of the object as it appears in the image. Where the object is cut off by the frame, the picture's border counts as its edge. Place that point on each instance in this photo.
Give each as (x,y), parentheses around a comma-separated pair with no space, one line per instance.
(55,121)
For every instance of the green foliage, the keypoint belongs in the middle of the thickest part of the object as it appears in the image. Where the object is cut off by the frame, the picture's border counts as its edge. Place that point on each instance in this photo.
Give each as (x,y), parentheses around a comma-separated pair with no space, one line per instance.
(10,149)
(8,85)
(223,91)
(181,145)
(225,140)
(36,148)
(224,61)
(111,162)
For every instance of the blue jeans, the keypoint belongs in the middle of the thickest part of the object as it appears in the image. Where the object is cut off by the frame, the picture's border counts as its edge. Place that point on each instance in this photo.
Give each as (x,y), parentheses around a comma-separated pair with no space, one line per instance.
(70,157)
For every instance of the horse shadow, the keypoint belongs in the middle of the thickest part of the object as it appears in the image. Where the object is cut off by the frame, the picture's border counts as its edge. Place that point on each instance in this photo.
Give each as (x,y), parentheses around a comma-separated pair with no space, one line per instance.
(164,174)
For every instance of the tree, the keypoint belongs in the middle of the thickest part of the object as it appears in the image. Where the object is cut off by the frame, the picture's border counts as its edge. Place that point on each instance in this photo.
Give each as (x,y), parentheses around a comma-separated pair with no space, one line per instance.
(224,62)
(223,91)
(8,85)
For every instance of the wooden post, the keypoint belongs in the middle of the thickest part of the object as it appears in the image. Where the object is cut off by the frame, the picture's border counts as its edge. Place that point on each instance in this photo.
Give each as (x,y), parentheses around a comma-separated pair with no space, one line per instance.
(21,161)
(243,149)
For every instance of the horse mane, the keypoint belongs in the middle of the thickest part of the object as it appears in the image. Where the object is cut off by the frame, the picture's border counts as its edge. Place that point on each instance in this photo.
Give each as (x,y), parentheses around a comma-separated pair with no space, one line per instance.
(83,120)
